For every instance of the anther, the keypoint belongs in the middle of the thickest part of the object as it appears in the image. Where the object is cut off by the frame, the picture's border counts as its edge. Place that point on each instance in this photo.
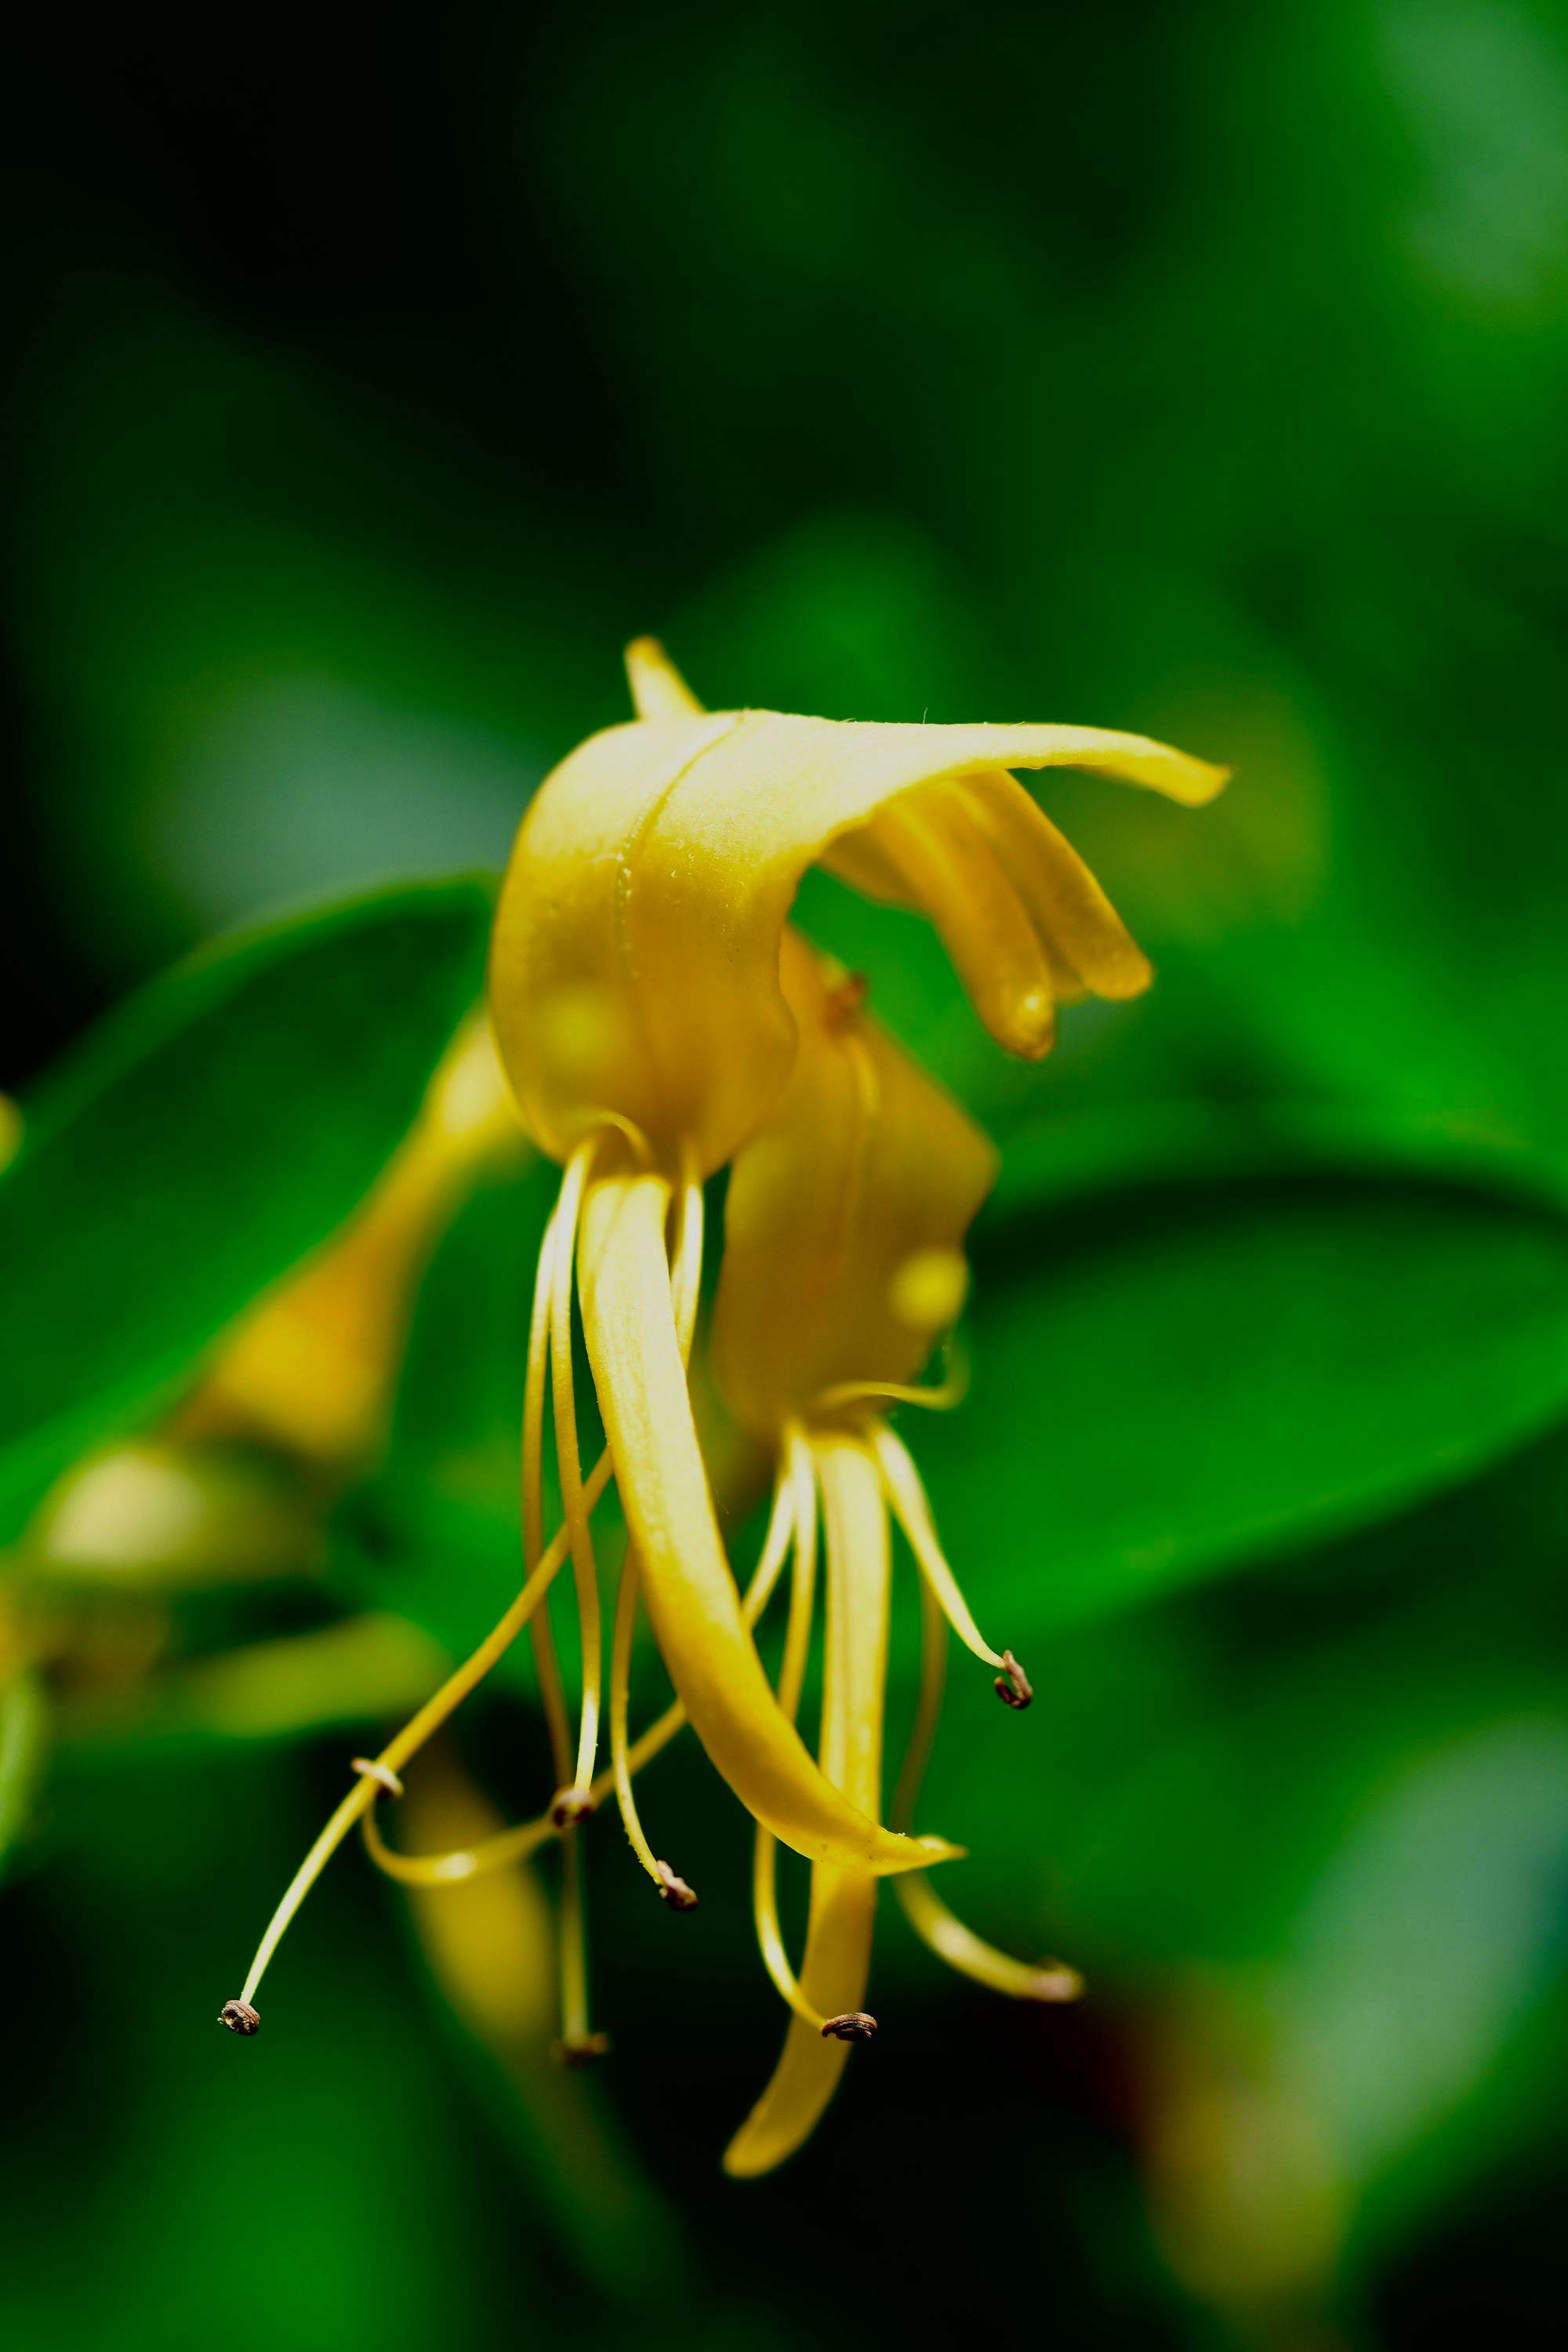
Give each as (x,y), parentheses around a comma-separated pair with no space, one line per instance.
(675,1891)
(383,1774)
(577,2050)
(569,1806)
(1012,1685)
(240,2017)
(855,2025)
(843,1003)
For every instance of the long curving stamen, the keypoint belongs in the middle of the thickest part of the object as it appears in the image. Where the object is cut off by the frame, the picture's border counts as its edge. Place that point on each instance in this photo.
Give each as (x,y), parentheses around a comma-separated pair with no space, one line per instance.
(634,1345)
(928,1915)
(461,1863)
(801,1481)
(568,1463)
(674,1889)
(578,2040)
(906,1496)
(412,1737)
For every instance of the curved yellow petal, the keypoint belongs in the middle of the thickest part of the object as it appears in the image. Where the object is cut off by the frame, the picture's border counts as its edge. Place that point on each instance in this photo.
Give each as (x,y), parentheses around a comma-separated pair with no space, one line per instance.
(863,1166)
(634,965)
(843,1903)
(629,1320)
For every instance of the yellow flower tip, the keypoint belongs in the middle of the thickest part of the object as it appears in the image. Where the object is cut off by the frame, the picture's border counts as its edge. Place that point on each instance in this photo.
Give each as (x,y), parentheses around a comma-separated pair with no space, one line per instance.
(1028,1025)
(1053,1980)
(940,1849)
(1012,1685)
(928,1290)
(577,2050)
(657,689)
(675,1891)
(240,2018)
(570,1806)
(855,2025)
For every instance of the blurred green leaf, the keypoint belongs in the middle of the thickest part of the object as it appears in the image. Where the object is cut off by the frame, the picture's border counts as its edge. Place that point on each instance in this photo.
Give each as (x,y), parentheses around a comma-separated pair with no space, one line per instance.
(1187,1377)
(435,1534)
(211,1134)
(23,1721)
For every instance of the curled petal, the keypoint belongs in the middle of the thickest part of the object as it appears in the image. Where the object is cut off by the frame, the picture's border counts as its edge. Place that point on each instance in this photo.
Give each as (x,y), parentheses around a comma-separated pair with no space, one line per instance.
(635,965)
(629,1320)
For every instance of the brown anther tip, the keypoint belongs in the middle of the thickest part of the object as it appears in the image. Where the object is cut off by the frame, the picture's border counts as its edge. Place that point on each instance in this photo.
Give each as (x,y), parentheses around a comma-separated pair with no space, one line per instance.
(675,1891)
(240,2017)
(844,1002)
(855,2025)
(1012,1685)
(382,1774)
(583,2050)
(569,1806)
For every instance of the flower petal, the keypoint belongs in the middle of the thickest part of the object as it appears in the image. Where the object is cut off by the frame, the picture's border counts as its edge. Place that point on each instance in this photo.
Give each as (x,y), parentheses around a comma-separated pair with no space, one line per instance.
(629,1320)
(636,959)
(864,1164)
(843,1903)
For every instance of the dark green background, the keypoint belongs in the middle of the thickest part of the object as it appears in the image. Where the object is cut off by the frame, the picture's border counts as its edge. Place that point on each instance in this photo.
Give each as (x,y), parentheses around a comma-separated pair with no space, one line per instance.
(1196,369)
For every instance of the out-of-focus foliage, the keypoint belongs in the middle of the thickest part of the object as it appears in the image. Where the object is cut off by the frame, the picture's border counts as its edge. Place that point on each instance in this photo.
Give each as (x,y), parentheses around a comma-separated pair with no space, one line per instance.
(1192,368)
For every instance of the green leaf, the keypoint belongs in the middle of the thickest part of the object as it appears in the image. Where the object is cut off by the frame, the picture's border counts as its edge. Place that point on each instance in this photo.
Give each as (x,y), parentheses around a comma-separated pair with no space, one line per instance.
(213,1131)
(1185,1377)
(436,1535)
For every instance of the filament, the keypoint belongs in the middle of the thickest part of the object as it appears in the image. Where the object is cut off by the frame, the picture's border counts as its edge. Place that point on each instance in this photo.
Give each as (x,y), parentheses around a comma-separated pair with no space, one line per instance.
(904,1491)
(800,1478)
(463,1863)
(414,1734)
(620,1689)
(569,1466)
(935,1924)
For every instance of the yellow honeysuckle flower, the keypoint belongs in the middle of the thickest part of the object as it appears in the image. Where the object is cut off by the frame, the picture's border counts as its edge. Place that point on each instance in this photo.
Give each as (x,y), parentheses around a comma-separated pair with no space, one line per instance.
(637,989)
(843,1259)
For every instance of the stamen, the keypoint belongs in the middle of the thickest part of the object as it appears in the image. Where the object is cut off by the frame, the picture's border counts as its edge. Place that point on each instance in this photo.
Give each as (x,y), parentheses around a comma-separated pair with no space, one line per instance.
(904,1491)
(239,2018)
(412,1737)
(855,2025)
(569,1467)
(1012,1685)
(382,1774)
(570,1806)
(579,2050)
(928,1915)
(663,1877)
(675,1891)
(578,2042)
(516,1845)
(800,1479)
